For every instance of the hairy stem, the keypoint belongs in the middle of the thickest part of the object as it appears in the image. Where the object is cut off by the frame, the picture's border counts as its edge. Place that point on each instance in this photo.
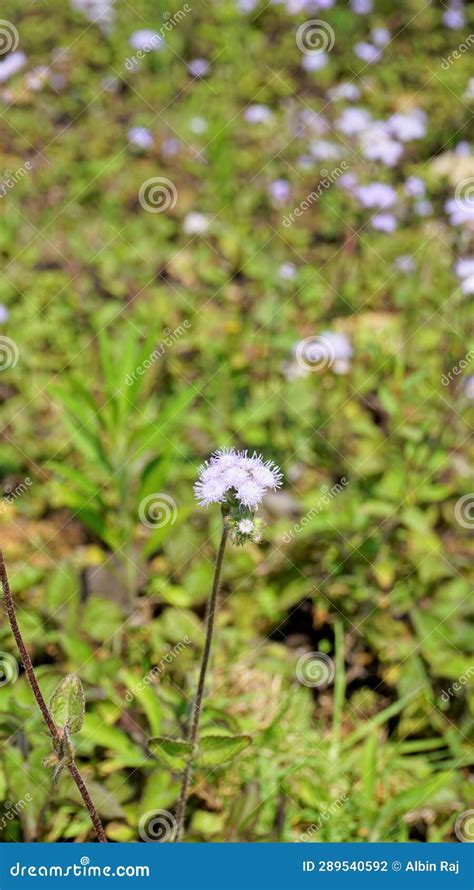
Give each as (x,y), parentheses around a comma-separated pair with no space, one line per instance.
(53,730)
(197,707)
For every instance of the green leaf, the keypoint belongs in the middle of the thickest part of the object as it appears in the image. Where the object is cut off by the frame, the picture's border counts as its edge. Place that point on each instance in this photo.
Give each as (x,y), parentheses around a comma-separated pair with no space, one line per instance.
(217,749)
(67,704)
(173,752)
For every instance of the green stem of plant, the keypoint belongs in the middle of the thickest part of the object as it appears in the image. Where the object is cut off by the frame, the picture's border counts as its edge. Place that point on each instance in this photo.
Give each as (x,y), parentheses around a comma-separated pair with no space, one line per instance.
(53,730)
(197,708)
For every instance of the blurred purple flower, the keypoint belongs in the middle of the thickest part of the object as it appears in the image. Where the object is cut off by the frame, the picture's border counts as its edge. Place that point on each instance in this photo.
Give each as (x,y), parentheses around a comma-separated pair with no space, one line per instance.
(362,7)
(405,263)
(367,52)
(279,191)
(4,314)
(353,120)
(11,64)
(315,61)
(199,68)
(406,127)
(258,114)
(384,222)
(146,40)
(414,187)
(140,137)
(376,194)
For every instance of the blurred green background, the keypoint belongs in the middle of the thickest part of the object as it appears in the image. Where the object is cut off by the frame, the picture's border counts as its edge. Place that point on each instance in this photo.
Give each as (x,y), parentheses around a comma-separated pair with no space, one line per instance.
(110,558)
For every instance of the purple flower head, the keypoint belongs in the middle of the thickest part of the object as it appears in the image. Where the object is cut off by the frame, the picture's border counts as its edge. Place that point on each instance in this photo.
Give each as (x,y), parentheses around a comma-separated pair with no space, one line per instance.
(287,271)
(414,187)
(234,473)
(376,194)
(353,120)
(11,64)
(464,267)
(406,127)
(380,36)
(315,61)
(367,52)
(346,90)
(4,314)
(378,145)
(198,68)
(362,7)
(279,191)
(146,40)
(258,114)
(140,137)
(405,263)
(384,222)
(468,387)
(454,16)
(423,208)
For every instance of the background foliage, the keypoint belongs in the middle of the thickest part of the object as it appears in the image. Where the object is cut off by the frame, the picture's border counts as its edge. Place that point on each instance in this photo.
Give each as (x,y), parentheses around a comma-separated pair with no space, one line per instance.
(377,577)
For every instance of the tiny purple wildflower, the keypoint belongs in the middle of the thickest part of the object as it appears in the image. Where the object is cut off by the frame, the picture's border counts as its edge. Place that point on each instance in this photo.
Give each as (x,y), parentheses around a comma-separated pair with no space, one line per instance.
(234,472)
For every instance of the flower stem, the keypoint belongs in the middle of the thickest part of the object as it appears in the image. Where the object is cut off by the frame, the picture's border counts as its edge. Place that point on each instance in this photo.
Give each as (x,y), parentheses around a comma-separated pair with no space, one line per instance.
(197,708)
(53,730)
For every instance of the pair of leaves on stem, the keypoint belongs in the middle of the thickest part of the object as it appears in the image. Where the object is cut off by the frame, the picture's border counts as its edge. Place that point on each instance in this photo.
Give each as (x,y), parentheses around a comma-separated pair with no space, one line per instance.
(213,750)
(67,708)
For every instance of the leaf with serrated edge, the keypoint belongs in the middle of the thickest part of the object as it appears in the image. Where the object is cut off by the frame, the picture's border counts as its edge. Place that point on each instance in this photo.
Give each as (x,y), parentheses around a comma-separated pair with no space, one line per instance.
(173,752)
(217,749)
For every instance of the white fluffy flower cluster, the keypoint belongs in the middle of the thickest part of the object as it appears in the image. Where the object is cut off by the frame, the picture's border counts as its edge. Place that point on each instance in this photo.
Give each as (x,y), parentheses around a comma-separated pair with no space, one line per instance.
(230,472)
